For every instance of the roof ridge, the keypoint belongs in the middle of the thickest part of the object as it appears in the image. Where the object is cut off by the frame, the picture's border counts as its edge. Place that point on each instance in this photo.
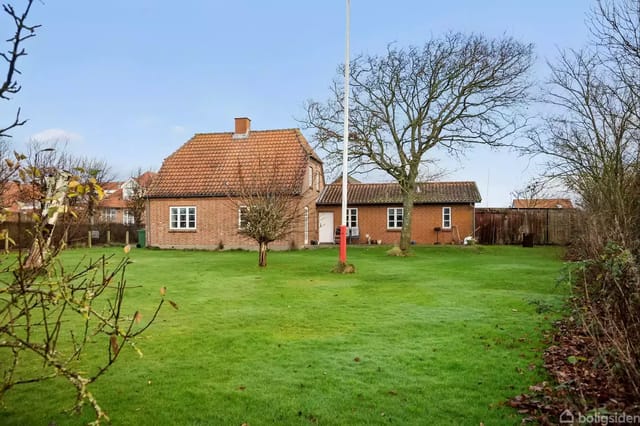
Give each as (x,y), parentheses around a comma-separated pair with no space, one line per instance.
(396,183)
(291,129)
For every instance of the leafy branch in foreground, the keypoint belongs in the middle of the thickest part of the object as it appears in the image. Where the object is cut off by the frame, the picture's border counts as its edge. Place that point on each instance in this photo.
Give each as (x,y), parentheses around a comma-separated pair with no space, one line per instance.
(51,315)
(55,314)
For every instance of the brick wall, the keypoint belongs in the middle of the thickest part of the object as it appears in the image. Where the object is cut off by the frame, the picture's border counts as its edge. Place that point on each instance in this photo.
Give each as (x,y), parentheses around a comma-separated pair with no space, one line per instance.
(217,222)
(372,220)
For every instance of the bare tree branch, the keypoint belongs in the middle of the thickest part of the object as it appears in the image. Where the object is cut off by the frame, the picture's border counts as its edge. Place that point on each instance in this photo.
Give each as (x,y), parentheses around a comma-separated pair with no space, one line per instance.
(452,92)
(10,85)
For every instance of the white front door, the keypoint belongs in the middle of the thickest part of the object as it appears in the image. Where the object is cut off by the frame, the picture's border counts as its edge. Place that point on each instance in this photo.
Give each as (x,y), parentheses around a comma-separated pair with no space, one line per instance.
(326,227)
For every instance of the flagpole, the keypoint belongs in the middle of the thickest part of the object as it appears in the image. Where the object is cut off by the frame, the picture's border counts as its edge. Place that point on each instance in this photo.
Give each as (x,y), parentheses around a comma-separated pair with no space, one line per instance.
(343,226)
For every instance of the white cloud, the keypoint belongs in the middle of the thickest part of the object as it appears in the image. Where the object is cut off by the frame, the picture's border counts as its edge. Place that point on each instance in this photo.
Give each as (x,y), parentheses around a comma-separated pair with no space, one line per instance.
(57,135)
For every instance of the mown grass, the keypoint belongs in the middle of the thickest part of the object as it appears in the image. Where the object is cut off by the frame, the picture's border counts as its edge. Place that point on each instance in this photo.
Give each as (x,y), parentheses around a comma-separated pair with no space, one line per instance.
(442,337)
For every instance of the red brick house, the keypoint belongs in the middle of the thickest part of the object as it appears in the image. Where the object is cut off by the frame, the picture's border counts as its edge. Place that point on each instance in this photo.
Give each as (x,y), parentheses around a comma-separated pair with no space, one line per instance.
(444,212)
(114,207)
(190,200)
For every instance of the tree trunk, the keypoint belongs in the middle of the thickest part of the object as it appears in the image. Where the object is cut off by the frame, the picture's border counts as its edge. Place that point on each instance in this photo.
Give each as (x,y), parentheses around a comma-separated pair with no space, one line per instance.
(52,204)
(407,207)
(262,259)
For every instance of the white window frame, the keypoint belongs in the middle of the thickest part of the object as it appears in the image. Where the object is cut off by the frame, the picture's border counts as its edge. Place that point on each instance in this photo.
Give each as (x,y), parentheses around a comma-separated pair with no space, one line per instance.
(317,181)
(242,211)
(351,213)
(446,218)
(180,224)
(109,215)
(392,217)
(310,173)
(127,217)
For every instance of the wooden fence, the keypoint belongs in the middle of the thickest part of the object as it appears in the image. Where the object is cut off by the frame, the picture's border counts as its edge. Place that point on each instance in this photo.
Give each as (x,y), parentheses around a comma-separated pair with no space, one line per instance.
(21,234)
(508,226)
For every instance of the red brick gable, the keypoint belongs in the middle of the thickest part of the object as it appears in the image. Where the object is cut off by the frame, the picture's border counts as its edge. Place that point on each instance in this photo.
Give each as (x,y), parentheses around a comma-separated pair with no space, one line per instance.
(391,193)
(213,164)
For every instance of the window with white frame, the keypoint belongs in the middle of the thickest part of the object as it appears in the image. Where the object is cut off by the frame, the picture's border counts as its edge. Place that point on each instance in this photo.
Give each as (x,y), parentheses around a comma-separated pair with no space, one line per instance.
(317,181)
(446,217)
(182,218)
(127,217)
(109,215)
(352,218)
(310,177)
(394,217)
(242,217)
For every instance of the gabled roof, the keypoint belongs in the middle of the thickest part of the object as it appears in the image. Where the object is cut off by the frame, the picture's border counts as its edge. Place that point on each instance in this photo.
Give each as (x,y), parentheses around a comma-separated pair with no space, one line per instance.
(217,164)
(15,196)
(542,203)
(114,194)
(391,193)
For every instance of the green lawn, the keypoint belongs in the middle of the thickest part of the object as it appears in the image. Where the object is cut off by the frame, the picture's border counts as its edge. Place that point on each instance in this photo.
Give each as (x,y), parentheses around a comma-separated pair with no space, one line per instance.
(443,337)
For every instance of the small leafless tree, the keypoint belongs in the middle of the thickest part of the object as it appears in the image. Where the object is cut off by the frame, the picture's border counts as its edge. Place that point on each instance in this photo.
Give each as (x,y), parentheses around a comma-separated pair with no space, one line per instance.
(454,91)
(137,199)
(267,206)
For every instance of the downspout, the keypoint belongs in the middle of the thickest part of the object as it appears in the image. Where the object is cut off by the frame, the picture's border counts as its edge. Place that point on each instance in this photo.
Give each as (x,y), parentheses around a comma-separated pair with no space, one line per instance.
(473,234)
(147,220)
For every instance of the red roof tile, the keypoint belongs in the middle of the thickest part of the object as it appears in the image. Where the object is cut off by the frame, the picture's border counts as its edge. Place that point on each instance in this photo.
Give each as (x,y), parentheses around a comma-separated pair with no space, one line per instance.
(213,164)
(542,203)
(391,193)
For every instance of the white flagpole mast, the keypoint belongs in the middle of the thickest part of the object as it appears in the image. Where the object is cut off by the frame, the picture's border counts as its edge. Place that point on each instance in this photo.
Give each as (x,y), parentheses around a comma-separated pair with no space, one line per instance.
(343,226)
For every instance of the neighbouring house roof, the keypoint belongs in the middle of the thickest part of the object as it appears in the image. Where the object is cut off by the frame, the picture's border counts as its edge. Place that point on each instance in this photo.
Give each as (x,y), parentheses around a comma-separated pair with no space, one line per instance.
(114,191)
(391,193)
(16,197)
(109,187)
(350,179)
(542,203)
(219,164)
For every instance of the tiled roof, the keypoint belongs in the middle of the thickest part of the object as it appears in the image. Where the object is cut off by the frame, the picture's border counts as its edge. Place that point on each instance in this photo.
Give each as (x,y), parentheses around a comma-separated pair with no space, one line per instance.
(14,195)
(214,164)
(542,203)
(114,200)
(390,193)
(146,178)
(114,191)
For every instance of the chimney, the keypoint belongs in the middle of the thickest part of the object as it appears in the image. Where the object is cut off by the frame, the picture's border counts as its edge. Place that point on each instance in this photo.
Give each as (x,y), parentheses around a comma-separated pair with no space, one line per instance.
(243,125)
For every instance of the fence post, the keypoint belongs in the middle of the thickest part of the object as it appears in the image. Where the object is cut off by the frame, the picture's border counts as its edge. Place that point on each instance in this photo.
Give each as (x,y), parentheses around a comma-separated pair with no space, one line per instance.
(89,238)
(108,236)
(126,238)
(5,232)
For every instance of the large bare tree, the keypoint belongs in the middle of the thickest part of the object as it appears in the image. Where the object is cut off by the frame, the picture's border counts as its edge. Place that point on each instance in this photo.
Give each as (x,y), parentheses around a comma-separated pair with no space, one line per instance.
(453,91)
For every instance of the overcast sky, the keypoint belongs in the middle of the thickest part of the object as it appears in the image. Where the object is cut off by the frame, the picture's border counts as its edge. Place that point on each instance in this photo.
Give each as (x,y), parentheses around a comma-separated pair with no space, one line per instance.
(131,81)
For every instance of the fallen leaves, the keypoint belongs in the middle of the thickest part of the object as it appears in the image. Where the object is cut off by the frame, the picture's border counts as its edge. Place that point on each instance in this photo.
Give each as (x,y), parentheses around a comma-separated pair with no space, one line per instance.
(580,382)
